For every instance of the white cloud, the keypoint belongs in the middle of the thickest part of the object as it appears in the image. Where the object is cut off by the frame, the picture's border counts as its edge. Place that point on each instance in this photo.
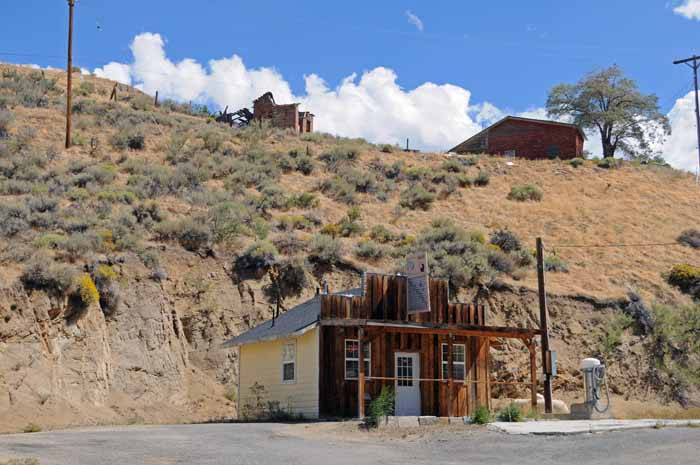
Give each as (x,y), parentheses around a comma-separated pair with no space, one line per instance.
(415,20)
(680,149)
(371,105)
(689,8)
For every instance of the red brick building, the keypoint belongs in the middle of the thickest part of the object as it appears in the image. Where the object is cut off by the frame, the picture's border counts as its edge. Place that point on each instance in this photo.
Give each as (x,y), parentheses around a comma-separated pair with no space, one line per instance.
(282,116)
(526,138)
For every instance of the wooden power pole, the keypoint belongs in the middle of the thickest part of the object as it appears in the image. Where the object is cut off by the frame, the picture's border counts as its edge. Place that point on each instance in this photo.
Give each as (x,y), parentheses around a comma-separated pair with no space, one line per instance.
(695,60)
(69,94)
(547,361)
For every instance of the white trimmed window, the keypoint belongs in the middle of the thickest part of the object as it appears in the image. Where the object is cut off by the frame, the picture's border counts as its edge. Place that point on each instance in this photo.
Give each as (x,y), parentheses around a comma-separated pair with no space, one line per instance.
(352,358)
(289,362)
(458,361)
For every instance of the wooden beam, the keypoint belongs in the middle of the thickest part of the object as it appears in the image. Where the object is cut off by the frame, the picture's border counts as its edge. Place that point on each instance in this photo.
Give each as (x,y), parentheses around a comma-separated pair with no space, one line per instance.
(432,328)
(361,374)
(450,382)
(544,325)
(533,375)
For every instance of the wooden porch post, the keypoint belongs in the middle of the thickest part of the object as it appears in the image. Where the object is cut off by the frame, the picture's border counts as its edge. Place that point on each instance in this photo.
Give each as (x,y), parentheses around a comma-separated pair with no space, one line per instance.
(450,382)
(361,374)
(533,374)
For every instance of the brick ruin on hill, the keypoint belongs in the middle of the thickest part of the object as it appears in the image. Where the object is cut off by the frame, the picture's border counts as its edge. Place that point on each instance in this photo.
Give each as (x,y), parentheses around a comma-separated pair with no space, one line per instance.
(282,116)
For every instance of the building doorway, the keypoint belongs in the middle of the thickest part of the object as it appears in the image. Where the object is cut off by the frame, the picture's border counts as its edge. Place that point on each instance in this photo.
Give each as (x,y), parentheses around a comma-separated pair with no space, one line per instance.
(407,366)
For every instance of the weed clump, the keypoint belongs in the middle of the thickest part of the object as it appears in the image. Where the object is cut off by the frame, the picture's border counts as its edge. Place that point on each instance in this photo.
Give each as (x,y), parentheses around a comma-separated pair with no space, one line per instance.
(690,237)
(481,415)
(510,413)
(525,193)
(416,197)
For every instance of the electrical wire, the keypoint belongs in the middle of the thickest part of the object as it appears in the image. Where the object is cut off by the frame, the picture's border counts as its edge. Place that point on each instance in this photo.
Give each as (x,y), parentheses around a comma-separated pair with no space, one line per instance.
(613,245)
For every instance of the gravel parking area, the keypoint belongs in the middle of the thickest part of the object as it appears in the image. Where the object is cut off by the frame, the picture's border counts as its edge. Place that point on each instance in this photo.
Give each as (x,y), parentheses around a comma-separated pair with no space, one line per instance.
(334,444)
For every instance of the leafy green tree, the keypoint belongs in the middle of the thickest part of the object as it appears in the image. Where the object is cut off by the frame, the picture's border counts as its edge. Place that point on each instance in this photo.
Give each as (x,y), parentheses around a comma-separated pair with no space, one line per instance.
(611,103)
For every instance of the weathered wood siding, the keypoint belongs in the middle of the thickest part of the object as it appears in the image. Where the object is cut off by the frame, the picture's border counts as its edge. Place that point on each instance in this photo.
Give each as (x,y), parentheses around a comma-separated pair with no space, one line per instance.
(385,299)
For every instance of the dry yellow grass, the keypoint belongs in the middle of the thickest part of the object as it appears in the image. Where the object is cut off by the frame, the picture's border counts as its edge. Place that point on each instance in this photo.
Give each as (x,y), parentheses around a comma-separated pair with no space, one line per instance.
(585,205)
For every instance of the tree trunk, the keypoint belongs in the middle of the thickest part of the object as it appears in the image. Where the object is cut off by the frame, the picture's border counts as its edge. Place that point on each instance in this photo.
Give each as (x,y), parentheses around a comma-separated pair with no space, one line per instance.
(608,148)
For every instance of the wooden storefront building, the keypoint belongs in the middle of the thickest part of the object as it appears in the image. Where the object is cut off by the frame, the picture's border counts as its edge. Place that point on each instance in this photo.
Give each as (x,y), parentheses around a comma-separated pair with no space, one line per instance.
(344,347)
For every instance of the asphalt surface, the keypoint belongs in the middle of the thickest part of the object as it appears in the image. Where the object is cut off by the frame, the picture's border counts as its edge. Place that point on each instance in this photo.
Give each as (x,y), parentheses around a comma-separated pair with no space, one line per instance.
(274,444)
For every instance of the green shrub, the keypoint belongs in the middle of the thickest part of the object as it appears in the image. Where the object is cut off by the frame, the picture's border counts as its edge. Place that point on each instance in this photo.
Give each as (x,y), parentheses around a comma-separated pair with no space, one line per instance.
(86,88)
(500,261)
(129,137)
(368,249)
(6,120)
(305,165)
(192,235)
(510,413)
(41,273)
(386,148)
(325,249)
(612,336)
(259,256)
(415,197)
(339,190)
(482,179)
(464,180)
(382,405)
(13,219)
(452,166)
(31,428)
(340,155)
(686,278)
(676,345)
(481,415)
(289,244)
(555,264)
(382,235)
(505,240)
(576,162)
(304,200)
(609,163)
(525,193)
(690,237)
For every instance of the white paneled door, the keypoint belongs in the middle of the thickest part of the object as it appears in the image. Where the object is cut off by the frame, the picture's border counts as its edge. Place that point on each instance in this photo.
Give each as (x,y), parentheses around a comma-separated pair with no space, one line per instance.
(407,385)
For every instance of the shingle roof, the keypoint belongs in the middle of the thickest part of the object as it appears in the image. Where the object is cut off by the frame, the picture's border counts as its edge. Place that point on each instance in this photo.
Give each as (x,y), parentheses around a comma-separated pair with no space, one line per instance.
(294,320)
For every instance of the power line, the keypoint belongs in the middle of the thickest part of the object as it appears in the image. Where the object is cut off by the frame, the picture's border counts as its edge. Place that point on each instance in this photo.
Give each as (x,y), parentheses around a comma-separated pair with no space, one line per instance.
(695,60)
(614,245)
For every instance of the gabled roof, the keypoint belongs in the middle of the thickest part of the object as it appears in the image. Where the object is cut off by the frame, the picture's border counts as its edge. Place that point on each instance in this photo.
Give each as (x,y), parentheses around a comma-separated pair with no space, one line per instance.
(519,118)
(294,321)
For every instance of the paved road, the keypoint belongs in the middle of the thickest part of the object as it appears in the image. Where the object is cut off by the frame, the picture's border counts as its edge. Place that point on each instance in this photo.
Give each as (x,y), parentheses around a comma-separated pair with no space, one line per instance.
(271,444)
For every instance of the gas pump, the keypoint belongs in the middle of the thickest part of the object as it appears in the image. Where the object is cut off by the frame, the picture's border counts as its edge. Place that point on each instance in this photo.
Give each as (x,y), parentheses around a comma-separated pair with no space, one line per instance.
(593,381)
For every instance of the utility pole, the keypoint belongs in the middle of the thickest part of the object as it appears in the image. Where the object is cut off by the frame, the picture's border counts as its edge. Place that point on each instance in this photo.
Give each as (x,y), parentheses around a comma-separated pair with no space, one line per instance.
(69,95)
(695,60)
(544,328)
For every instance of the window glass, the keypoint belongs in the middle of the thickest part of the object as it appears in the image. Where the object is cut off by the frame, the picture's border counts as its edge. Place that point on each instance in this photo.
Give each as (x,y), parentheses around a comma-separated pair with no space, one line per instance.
(289,353)
(458,361)
(352,358)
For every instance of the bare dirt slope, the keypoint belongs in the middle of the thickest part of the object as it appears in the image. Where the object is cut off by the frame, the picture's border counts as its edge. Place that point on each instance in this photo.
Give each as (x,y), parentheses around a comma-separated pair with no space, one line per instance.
(168,201)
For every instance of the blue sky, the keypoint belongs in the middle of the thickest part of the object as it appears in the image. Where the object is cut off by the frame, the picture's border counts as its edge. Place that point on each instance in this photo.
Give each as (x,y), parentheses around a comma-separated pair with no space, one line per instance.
(506,53)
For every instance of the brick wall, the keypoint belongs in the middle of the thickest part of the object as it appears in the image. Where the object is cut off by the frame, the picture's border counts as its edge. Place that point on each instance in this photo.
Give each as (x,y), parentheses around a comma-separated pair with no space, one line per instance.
(279,116)
(535,140)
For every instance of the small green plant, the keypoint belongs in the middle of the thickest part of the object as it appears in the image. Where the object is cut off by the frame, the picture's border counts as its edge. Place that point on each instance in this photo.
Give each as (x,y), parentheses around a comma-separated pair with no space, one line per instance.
(382,405)
(528,192)
(481,415)
(32,428)
(690,237)
(612,337)
(505,240)
(415,197)
(609,163)
(510,413)
(576,162)
(686,278)
(231,393)
(325,249)
(482,179)
(555,264)
(370,250)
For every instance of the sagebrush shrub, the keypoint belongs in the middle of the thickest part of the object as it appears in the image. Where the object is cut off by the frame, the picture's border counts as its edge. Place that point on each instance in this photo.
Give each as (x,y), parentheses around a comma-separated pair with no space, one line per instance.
(86,290)
(259,256)
(6,120)
(325,249)
(690,237)
(369,249)
(555,264)
(686,278)
(528,192)
(416,197)
(42,273)
(13,219)
(505,240)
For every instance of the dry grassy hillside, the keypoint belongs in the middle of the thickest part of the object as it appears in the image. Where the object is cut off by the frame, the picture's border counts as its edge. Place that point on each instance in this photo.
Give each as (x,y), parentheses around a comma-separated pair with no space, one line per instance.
(154,232)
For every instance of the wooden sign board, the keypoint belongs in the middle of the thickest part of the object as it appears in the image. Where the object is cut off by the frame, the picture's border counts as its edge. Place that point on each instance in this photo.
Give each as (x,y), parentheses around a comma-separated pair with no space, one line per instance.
(417,284)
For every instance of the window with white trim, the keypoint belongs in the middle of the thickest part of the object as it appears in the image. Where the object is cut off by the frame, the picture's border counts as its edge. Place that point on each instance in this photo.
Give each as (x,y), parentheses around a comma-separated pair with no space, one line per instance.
(458,361)
(352,358)
(289,362)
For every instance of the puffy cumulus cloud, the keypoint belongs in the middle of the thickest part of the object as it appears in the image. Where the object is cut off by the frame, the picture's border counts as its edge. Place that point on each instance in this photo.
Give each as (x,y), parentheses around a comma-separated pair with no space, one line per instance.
(375,107)
(372,105)
(680,148)
(689,8)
